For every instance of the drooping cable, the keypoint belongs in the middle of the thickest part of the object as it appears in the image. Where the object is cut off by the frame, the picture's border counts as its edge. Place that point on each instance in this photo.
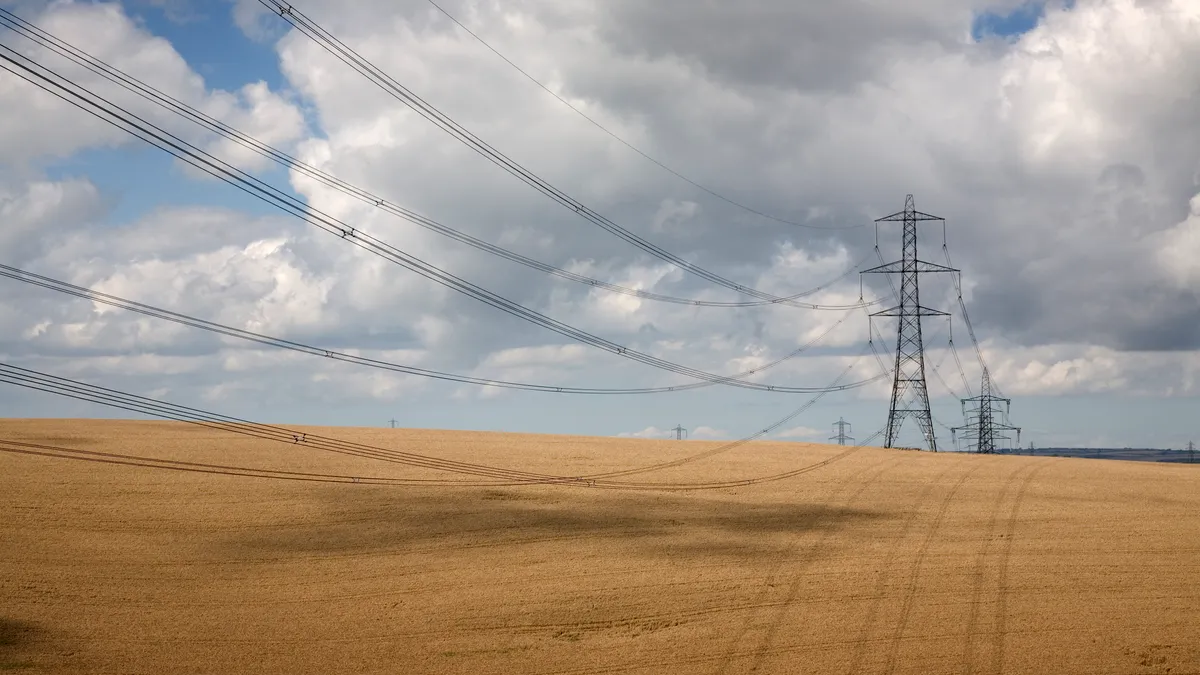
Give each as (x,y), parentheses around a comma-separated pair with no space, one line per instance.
(34,380)
(622,141)
(961,371)
(185,111)
(14,446)
(962,306)
(93,295)
(938,374)
(879,358)
(867,441)
(103,109)
(742,441)
(342,52)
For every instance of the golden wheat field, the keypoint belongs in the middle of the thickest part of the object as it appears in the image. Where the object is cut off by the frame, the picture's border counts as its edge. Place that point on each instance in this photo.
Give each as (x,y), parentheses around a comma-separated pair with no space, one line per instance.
(863,561)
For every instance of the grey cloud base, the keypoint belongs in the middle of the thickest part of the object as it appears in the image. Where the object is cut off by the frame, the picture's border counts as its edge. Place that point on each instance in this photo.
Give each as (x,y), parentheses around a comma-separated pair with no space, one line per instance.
(1065,163)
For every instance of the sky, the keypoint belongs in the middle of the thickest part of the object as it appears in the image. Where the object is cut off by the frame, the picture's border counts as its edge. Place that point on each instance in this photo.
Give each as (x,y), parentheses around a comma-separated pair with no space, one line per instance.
(1058,140)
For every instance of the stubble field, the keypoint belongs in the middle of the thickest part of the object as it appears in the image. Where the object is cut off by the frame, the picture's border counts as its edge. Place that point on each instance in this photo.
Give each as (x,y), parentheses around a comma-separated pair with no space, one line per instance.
(871,561)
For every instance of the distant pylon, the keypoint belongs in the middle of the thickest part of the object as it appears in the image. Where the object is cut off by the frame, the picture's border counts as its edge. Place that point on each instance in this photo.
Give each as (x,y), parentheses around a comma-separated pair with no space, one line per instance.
(841,436)
(680,432)
(393,422)
(983,428)
(910,395)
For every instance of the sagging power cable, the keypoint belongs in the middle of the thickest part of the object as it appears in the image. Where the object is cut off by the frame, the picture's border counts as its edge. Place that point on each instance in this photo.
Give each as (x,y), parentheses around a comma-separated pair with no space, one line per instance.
(622,141)
(105,110)
(93,295)
(389,85)
(97,66)
(38,381)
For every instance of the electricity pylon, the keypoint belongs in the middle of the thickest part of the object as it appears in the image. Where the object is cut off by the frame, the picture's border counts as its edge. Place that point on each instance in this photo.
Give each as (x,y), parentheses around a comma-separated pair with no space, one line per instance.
(987,422)
(680,432)
(841,436)
(910,395)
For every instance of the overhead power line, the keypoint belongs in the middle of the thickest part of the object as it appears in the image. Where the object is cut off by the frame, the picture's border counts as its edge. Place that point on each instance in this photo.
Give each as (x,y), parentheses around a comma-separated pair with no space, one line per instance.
(936,368)
(105,110)
(962,307)
(12,446)
(389,85)
(759,434)
(32,379)
(867,441)
(267,340)
(622,141)
(38,381)
(79,57)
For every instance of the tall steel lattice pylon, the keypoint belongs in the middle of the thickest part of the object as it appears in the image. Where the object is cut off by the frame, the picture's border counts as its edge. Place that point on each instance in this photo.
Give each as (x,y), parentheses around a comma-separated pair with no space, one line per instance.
(910,396)
(987,422)
(841,425)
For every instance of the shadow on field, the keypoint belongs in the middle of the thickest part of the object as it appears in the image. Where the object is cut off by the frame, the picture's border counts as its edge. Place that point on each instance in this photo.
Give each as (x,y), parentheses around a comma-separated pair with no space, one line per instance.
(15,640)
(16,634)
(382,520)
(72,440)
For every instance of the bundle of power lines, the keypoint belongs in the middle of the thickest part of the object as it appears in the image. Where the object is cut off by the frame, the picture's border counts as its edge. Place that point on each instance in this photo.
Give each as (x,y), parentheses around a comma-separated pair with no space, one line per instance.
(87,100)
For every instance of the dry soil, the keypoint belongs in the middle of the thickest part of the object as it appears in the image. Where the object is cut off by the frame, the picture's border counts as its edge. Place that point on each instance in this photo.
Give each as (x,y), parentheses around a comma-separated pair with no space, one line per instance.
(874,561)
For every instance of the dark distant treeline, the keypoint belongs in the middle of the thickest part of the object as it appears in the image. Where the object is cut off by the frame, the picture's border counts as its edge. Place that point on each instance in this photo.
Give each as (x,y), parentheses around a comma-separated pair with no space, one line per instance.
(1132,454)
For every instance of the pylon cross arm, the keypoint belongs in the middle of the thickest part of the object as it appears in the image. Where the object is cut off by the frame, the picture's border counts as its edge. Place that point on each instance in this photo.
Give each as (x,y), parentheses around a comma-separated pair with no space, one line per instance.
(898,267)
(906,312)
(908,215)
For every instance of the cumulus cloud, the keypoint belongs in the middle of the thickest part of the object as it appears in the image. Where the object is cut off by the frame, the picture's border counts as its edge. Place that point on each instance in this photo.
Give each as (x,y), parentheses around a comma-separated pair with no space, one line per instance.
(705,432)
(39,126)
(801,432)
(648,432)
(698,433)
(1058,157)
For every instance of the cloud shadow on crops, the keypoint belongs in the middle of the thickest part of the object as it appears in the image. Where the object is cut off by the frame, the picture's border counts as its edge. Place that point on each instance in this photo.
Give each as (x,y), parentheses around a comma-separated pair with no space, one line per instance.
(382,519)
(16,634)
(19,640)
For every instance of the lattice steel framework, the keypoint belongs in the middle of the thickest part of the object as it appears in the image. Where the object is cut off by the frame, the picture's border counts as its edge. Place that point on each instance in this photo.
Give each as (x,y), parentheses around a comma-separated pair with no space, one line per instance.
(841,425)
(910,395)
(987,422)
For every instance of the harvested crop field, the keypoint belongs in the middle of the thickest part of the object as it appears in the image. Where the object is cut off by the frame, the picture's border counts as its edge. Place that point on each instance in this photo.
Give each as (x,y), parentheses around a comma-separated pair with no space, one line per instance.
(871,561)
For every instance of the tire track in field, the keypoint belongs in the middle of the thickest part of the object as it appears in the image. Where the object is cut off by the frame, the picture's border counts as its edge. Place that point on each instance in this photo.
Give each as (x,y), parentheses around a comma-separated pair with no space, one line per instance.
(979,573)
(654,661)
(914,578)
(1002,590)
(761,653)
(731,652)
(868,625)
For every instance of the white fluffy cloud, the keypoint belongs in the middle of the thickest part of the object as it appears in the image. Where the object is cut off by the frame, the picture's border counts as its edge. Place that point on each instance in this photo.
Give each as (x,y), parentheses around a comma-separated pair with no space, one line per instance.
(1178,248)
(38,126)
(802,432)
(1058,158)
(699,433)
(648,432)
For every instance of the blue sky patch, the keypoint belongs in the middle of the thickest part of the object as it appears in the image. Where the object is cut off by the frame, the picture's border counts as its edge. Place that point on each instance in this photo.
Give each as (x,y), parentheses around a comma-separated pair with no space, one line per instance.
(1009,24)
(139,179)
(213,45)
